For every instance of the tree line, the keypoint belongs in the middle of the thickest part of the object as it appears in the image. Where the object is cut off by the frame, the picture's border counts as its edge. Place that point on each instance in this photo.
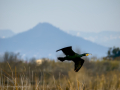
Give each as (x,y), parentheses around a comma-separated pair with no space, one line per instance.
(113,53)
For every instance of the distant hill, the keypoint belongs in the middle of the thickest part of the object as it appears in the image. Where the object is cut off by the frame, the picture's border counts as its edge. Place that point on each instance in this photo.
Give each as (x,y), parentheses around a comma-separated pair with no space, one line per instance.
(6,33)
(105,38)
(44,39)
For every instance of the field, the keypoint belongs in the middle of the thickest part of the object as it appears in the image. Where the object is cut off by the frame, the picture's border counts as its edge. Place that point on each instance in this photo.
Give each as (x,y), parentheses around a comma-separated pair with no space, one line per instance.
(55,75)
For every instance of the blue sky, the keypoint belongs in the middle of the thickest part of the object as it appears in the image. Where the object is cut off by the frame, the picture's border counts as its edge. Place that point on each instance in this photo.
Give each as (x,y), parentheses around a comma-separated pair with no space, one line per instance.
(78,15)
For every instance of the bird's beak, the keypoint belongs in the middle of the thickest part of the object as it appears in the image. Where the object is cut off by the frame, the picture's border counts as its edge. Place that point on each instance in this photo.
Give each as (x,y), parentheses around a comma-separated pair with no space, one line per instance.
(88,54)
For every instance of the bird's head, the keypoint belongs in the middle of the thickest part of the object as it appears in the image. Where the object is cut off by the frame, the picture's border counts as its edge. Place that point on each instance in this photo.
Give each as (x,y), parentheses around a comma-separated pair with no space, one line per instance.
(86,54)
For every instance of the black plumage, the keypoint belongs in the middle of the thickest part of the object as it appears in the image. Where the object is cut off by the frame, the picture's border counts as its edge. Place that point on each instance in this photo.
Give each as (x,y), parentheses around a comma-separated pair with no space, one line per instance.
(72,56)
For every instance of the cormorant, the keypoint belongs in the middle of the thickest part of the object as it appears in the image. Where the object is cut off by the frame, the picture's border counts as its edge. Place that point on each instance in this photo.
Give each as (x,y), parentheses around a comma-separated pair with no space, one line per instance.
(72,56)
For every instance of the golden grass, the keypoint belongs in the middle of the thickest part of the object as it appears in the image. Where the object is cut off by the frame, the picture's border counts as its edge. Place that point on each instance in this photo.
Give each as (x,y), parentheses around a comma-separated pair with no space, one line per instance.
(82,80)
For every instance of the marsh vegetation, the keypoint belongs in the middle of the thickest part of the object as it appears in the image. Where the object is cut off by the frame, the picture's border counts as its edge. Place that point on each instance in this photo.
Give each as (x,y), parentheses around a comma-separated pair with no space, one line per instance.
(17,74)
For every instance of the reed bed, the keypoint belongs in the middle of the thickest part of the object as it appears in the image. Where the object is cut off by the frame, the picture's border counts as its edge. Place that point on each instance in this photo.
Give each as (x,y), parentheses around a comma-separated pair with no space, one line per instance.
(45,80)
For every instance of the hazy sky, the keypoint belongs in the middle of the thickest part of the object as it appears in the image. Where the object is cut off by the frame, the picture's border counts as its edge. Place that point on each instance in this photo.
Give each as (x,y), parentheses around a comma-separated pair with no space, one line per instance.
(79,15)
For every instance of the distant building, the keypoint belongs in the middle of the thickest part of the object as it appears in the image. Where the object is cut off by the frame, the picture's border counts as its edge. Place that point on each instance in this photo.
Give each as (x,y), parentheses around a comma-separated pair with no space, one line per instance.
(40,61)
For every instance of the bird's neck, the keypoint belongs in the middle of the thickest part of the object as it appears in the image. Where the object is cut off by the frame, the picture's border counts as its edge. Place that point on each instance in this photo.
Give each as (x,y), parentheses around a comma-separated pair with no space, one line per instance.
(81,55)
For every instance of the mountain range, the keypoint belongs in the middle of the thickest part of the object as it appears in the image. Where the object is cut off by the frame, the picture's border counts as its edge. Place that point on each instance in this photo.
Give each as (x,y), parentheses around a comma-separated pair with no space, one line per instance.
(6,33)
(105,38)
(44,39)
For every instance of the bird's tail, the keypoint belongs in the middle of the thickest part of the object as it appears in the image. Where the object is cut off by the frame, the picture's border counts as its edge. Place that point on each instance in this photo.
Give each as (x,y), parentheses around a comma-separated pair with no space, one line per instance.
(61,59)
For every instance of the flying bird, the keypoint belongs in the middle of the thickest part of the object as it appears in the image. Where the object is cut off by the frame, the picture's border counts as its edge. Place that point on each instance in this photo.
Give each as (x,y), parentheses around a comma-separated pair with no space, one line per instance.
(72,56)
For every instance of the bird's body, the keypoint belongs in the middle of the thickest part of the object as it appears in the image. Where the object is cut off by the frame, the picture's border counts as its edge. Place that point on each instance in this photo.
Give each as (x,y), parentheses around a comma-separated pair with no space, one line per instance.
(72,56)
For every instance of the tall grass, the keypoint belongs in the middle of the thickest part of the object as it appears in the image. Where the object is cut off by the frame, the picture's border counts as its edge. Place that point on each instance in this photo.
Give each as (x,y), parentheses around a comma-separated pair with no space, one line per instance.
(85,79)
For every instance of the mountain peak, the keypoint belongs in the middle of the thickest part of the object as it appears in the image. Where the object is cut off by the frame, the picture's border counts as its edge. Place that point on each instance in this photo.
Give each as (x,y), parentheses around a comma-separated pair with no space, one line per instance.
(44,25)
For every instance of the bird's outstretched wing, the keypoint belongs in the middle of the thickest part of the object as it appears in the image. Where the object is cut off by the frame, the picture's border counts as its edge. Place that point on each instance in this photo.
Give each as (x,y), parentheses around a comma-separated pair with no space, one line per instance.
(67,51)
(78,64)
